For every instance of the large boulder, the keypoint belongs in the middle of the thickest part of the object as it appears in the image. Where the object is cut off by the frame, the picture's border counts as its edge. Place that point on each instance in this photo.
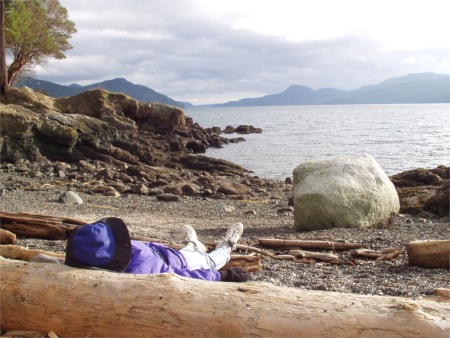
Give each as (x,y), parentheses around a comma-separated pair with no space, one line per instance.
(350,192)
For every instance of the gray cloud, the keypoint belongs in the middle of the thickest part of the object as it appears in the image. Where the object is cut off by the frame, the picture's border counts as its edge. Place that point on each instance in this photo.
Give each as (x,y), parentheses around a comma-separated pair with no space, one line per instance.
(176,49)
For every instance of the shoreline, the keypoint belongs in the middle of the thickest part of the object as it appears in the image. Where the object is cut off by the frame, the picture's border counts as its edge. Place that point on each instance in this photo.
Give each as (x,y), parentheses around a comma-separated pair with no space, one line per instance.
(266,217)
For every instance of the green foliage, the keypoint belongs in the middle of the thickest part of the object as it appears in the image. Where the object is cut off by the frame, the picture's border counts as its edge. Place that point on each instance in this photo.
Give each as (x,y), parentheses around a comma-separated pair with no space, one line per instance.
(35,31)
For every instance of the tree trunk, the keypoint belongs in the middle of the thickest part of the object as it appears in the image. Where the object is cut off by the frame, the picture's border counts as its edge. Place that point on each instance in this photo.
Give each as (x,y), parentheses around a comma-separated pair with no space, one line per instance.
(81,303)
(429,254)
(3,71)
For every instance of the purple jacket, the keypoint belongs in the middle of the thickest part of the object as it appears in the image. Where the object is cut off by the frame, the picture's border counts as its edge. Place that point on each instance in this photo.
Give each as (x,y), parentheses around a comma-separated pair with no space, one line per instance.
(153,258)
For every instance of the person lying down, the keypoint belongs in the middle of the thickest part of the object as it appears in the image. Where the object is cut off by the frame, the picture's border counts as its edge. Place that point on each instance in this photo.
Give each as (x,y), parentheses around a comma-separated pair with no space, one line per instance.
(106,244)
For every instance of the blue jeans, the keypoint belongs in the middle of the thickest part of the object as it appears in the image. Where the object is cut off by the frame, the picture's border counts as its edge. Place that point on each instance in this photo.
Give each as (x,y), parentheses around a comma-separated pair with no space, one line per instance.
(199,260)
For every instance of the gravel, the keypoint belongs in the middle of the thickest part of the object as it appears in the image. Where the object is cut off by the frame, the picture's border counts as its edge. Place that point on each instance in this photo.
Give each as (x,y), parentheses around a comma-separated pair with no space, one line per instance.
(265,217)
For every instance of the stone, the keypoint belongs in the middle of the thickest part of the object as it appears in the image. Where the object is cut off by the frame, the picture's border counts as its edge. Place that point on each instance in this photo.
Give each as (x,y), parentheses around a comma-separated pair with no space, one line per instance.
(173,189)
(424,191)
(189,189)
(343,192)
(70,197)
(234,188)
(167,197)
(139,189)
(246,129)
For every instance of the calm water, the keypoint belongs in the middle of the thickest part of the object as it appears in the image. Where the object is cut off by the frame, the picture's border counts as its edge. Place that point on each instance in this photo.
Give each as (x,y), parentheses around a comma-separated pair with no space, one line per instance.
(399,137)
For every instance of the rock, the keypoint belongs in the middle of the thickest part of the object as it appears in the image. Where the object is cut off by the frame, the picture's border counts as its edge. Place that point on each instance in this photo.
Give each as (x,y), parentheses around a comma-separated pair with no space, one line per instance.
(200,162)
(160,115)
(85,166)
(196,147)
(234,188)
(113,128)
(229,130)
(173,189)
(139,189)
(424,190)
(227,208)
(155,191)
(351,191)
(246,129)
(415,178)
(167,197)
(70,197)
(285,209)
(105,190)
(189,189)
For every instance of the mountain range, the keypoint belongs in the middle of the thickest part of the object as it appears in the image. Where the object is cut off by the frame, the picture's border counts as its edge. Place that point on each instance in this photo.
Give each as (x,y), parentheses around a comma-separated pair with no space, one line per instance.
(412,88)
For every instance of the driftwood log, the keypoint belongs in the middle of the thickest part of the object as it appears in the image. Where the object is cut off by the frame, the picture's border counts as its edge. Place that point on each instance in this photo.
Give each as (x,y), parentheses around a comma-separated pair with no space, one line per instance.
(7,237)
(307,244)
(379,255)
(429,254)
(84,303)
(24,254)
(320,256)
(38,226)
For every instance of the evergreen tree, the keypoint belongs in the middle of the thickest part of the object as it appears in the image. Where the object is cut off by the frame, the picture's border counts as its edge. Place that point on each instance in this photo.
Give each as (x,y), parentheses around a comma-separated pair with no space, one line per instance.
(35,30)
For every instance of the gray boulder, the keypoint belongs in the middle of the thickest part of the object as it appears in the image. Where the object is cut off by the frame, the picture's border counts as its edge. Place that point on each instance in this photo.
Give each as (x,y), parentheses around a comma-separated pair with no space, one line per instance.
(344,192)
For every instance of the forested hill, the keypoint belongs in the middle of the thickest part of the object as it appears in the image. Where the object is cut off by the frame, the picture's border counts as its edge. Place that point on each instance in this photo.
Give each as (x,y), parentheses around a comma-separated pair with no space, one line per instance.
(120,85)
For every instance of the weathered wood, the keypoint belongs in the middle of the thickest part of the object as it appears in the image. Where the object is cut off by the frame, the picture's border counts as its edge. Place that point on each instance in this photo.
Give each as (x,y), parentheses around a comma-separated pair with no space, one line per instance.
(324,257)
(7,237)
(441,292)
(429,254)
(38,225)
(82,303)
(250,263)
(312,245)
(24,254)
(379,255)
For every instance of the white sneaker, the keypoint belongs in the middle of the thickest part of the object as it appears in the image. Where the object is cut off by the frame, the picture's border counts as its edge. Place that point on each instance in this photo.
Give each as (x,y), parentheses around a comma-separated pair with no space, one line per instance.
(190,235)
(232,236)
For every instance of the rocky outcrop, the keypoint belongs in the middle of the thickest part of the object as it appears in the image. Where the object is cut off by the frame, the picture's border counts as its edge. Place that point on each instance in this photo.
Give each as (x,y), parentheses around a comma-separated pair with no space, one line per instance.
(108,143)
(109,127)
(424,192)
(344,192)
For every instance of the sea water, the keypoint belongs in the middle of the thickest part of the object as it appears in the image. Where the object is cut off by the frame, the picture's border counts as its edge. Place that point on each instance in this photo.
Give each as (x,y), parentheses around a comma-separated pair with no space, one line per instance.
(400,137)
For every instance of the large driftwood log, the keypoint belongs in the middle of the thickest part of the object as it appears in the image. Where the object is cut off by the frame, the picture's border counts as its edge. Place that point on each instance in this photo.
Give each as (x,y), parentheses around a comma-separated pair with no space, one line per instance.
(82,303)
(429,254)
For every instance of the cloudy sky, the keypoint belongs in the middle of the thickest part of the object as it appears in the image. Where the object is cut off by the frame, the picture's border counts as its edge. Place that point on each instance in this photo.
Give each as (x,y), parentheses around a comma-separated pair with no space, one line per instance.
(211,51)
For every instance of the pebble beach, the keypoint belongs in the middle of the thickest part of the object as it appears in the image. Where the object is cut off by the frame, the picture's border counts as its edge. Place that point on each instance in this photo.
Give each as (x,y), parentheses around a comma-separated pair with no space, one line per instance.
(268,216)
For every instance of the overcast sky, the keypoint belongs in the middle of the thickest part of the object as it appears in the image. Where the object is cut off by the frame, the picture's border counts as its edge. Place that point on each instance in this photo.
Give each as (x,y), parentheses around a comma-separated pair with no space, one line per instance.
(211,51)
